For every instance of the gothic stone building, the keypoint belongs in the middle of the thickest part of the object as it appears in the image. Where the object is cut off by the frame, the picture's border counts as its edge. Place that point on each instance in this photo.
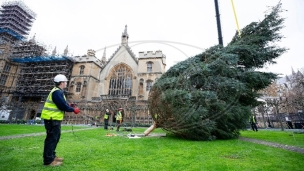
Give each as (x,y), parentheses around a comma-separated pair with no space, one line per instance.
(123,80)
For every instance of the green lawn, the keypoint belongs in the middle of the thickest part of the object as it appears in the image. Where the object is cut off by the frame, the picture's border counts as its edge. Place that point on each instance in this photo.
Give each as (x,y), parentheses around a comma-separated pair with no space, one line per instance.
(282,137)
(15,129)
(93,150)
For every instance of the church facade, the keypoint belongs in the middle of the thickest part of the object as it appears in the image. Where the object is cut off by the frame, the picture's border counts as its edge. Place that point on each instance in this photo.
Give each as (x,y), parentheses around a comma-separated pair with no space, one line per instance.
(123,80)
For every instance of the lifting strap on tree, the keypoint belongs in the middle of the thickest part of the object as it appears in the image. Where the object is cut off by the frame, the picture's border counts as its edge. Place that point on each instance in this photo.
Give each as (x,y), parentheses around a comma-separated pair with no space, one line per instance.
(236,20)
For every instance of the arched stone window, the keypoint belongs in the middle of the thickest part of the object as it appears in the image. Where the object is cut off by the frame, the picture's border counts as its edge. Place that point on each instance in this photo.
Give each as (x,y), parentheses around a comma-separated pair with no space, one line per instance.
(7,68)
(3,79)
(149,66)
(121,81)
(78,87)
(81,70)
(149,85)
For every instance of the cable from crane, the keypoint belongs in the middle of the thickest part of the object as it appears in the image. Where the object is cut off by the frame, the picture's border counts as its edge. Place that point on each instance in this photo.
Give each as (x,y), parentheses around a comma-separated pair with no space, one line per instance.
(235,17)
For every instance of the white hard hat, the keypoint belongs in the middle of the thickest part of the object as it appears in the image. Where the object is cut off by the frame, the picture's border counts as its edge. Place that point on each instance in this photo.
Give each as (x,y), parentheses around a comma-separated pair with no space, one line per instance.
(60,78)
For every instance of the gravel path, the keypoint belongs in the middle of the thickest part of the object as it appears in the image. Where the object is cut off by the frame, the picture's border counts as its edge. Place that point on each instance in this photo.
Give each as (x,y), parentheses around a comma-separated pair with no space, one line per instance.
(286,147)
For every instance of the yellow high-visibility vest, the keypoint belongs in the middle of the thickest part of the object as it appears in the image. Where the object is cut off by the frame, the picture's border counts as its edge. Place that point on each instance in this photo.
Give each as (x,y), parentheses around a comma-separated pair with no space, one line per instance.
(50,110)
(251,119)
(118,116)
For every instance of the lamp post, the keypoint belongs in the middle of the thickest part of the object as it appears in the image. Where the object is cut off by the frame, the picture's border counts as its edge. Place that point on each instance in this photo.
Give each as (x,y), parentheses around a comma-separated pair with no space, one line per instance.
(218,22)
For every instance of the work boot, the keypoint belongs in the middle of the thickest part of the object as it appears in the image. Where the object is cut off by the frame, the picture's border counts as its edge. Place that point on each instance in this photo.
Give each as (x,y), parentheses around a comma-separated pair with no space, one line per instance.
(58,159)
(54,163)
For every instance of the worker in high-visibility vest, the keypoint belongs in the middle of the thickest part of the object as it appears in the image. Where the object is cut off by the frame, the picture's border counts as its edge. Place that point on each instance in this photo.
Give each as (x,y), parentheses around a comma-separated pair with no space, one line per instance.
(106,119)
(253,123)
(53,112)
(119,118)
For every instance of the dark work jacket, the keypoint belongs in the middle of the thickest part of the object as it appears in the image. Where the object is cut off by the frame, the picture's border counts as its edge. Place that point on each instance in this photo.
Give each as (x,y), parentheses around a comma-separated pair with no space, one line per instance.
(109,114)
(58,99)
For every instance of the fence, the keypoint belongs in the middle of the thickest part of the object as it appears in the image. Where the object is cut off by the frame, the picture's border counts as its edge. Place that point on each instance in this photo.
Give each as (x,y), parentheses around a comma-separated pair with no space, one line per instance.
(290,121)
(91,112)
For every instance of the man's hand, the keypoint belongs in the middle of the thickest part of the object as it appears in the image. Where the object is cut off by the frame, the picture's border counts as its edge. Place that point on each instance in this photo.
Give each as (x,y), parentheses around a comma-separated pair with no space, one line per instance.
(76,110)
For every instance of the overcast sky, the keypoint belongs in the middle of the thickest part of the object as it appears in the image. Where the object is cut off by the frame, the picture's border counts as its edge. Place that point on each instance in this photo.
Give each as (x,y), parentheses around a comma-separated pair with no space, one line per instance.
(179,28)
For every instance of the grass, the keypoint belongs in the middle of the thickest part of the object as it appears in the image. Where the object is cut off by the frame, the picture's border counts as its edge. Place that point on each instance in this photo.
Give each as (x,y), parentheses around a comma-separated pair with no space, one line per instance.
(282,137)
(15,129)
(93,150)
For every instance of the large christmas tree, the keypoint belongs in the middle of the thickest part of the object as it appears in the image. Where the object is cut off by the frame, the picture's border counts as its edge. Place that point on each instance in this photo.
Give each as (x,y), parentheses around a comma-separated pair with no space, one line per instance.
(211,95)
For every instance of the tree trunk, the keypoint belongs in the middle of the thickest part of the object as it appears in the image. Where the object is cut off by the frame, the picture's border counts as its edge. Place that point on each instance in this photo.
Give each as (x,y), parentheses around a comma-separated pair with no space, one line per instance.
(279,115)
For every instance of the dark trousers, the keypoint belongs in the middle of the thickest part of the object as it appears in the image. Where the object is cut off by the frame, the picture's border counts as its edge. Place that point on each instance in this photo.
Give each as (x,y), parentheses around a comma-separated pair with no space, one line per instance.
(106,123)
(119,122)
(53,132)
(254,127)
(289,124)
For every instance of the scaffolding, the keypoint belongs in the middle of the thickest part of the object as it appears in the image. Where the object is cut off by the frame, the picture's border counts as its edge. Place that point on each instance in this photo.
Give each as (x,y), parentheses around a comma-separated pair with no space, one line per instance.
(27,49)
(15,21)
(9,36)
(37,73)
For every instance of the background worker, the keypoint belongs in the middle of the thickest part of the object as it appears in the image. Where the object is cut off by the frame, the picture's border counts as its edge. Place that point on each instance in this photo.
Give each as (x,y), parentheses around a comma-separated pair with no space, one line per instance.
(288,123)
(106,119)
(113,121)
(253,123)
(53,112)
(119,118)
